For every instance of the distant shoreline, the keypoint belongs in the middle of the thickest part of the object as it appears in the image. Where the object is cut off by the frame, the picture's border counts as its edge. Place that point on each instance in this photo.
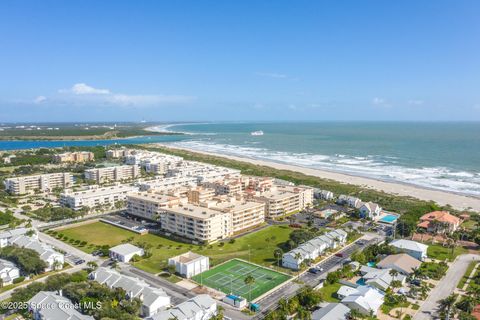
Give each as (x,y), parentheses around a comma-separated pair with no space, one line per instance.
(456,200)
(86,137)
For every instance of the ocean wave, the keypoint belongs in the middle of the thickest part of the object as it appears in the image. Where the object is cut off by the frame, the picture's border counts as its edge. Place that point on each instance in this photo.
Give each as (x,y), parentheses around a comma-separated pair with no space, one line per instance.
(372,166)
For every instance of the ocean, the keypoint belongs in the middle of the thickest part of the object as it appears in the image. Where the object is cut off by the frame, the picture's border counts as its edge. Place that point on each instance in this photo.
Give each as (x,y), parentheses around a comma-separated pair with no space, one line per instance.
(442,156)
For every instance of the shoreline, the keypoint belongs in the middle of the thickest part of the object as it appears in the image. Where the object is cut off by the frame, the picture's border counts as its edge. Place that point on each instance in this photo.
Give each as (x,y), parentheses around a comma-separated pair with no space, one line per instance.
(457,201)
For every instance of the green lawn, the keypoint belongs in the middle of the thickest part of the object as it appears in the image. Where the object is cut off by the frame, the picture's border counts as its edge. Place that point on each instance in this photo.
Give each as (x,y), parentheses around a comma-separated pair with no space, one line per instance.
(465,277)
(230,278)
(329,292)
(439,252)
(469,224)
(262,244)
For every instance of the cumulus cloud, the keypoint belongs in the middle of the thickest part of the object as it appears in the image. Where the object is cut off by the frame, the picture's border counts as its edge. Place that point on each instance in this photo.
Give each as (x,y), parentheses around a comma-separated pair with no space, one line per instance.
(39,99)
(380,102)
(84,94)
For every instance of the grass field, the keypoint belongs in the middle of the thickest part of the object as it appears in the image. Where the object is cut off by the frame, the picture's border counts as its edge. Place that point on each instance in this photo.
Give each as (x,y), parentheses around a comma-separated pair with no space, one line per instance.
(230,278)
(259,245)
(466,276)
(439,252)
(329,292)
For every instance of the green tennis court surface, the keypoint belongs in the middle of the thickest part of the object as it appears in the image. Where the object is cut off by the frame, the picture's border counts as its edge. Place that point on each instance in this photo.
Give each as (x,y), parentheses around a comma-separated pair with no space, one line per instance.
(230,278)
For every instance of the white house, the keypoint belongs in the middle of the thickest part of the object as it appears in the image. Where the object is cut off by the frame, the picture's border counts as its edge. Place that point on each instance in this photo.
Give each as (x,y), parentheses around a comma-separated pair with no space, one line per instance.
(125,252)
(412,248)
(370,210)
(379,278)
(201,307)
(47,305)
(153,299)
(323,194)
(8,272)
(190,264)
(364,299)
(52,258)
(312,249)
(332,311)
(6,236)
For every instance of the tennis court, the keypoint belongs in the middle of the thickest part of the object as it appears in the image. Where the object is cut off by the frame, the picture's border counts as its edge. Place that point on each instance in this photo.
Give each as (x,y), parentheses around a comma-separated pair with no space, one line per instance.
(230,278)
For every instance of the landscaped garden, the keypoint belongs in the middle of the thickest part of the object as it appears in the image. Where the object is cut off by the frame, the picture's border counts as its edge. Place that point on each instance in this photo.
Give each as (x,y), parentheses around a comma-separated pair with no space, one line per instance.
(257,247)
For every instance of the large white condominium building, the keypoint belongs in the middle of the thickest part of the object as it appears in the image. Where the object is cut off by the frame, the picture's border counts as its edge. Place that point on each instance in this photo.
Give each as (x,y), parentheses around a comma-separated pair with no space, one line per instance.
(200,194)
(168,183)
(204,172)
(153,299)
(143,158)
(245,214)
(150,205)
(80,156)
(41,182)
(283,200)
(118,173)
(96,196)
(119,153)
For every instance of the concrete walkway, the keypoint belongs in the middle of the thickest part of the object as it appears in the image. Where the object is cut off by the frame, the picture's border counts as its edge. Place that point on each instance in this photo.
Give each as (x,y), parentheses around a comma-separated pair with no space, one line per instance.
(445,286)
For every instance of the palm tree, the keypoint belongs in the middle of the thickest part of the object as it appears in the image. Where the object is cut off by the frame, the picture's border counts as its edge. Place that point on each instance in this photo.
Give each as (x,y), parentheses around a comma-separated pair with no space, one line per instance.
(393,273)
(278,253)
(353,314)
(249,281)
(447,305)
(303,314)
(298,256)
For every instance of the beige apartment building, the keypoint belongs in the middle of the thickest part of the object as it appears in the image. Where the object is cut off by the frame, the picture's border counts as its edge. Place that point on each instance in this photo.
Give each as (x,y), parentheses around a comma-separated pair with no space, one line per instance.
(282,200)
(207,222)
(80,156)
(226,186)
(109,174)
(41,183)
(118,153)
(200,194)
(150,205)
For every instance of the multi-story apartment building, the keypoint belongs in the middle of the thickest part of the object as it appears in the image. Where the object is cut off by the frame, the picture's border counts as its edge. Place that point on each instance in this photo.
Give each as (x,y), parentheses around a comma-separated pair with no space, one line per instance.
(95,197)
(41,183)
(197,223)
(226,186)
(150,205)
(109,174)
(79,156)
(281,200)
(168,183)
(200,194)
(118,153)
(245,214)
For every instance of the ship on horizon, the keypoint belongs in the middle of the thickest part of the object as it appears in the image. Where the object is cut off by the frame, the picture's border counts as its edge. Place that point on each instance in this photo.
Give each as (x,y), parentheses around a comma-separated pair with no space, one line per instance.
(257,133)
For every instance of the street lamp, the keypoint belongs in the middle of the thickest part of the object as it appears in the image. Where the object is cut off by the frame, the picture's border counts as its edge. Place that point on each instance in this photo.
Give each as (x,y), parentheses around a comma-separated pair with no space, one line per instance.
(249,253)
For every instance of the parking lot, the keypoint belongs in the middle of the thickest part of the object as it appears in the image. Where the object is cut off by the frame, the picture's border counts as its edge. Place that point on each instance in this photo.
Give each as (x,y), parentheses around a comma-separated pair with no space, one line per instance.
(125,221)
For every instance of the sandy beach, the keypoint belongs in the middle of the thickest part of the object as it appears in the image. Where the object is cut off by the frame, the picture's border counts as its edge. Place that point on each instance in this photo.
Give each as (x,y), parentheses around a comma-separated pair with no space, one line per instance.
(457,201)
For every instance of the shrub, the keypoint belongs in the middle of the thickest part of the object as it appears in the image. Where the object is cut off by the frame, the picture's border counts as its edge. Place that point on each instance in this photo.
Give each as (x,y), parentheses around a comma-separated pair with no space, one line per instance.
(18,280)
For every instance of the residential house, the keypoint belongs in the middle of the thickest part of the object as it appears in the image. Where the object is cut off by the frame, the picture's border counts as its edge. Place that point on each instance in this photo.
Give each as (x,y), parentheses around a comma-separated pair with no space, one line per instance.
(47,305)
(323,194)
(8,272)
(153,299)
(364,299)
(412,248)
(200,307)
(332,311)
(52,258)
(379,278)
(439,222)
(401,262)
(370,210)
(125,252)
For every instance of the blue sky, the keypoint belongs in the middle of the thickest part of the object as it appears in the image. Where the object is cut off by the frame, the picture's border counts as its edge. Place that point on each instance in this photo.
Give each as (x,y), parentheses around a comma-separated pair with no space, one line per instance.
(239,60)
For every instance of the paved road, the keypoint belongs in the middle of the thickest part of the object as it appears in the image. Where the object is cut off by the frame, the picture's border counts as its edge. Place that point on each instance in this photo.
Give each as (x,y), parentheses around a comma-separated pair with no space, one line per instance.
(445,287)
(332,263)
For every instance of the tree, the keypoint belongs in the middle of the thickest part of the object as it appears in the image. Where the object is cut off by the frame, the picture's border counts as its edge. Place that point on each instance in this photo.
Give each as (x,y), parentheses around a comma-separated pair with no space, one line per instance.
(447,306)
(354,315)
(303,314)
(249,281)
(278,254)
(393,273)
(92,265)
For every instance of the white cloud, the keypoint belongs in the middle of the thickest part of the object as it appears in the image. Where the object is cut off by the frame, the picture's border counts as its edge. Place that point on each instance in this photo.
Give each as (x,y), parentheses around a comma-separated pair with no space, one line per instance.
(380,102)
(39,99)
(83,94)
(415,102)
(272,75)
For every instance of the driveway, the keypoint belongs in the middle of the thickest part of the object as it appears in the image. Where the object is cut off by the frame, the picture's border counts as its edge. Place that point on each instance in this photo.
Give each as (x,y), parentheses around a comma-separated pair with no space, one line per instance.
(446,286)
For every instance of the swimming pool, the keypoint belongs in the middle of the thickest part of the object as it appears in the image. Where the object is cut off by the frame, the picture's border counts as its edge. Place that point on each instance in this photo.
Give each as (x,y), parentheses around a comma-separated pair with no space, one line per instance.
(389,218)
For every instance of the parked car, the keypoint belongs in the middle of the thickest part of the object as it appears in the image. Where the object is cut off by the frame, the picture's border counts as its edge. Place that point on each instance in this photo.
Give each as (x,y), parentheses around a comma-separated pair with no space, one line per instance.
(314,270)
(339,255)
